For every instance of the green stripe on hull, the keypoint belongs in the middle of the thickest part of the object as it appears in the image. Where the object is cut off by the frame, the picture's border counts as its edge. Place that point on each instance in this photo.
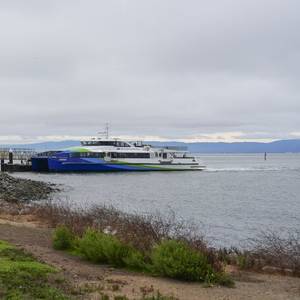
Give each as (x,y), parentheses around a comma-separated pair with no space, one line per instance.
(158,168)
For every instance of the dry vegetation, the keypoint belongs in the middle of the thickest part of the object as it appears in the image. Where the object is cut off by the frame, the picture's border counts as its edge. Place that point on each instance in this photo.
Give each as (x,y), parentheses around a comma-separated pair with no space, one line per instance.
(269,252)
(273,252)
(142,232)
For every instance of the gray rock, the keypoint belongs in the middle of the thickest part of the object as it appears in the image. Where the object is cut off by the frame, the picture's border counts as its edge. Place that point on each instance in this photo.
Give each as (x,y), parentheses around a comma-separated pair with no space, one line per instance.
(23,190)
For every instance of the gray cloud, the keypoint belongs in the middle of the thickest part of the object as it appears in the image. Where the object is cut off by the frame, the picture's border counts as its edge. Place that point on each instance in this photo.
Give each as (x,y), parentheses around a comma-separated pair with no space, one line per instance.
(165,68)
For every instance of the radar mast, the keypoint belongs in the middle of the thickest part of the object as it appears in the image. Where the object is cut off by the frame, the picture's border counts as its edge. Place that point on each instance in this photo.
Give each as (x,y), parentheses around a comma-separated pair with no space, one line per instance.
(106,131)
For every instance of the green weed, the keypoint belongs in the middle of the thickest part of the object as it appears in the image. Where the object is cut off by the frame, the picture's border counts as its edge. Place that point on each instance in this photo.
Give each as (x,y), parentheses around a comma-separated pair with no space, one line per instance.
(175,259)
(159,296)
(103,248)
(63,238)
(21,277)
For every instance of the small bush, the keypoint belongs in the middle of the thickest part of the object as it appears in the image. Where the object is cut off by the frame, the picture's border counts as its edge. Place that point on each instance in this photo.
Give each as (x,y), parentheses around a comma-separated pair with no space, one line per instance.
(224,279)
(103,248)
(90,246)
(175,259)
(114,250)
(63,238)
(135,261)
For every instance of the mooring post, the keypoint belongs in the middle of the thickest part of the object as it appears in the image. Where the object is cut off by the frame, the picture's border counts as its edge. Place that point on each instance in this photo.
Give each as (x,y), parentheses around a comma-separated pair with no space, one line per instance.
(2,165)
(11,157)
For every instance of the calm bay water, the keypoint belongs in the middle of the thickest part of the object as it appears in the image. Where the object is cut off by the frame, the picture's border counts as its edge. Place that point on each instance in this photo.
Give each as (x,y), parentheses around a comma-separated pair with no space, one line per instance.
(235,198)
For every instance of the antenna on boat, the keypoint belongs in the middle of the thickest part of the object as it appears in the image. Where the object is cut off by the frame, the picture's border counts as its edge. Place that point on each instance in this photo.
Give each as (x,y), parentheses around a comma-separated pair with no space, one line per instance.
(106,131)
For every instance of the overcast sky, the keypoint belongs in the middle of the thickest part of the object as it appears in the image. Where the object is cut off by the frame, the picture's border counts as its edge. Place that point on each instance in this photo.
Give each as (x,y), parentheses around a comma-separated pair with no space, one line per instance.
(159,69)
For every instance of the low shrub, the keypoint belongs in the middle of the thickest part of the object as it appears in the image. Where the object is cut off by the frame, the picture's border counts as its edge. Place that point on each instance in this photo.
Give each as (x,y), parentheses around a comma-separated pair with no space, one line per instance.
(170,258)
(224,279)
(104,248)
(135,261)
(90,246)
(63,238)
(115,251)
(175,259)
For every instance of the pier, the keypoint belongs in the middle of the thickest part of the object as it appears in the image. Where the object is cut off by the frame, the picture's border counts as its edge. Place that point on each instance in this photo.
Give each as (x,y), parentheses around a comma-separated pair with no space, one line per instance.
(16,159)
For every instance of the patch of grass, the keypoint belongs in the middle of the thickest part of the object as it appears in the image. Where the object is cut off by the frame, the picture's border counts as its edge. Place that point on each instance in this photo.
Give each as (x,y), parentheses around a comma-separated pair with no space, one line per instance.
(16,254)
(21,277)
(159,296)
(4,245)
(63,238)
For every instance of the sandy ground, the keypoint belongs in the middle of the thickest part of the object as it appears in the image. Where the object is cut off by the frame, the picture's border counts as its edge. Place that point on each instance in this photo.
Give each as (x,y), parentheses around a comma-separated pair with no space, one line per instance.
(37,240)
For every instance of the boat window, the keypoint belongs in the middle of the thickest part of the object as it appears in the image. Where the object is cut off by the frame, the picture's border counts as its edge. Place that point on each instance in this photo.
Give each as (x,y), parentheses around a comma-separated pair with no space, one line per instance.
(165,155)
(87,154)
(105,143)
(49,153)
(129,155)
(121,144)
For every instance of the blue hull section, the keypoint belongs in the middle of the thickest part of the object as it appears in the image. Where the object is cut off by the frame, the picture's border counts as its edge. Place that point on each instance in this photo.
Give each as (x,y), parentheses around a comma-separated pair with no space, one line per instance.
(81,165)
(39,164)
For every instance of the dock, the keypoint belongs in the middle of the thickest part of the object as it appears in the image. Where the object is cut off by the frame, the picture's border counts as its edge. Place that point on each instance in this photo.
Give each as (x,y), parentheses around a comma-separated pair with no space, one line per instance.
(16,159)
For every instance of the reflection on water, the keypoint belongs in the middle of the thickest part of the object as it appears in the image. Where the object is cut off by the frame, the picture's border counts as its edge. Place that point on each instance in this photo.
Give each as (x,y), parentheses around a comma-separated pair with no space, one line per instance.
(234,198)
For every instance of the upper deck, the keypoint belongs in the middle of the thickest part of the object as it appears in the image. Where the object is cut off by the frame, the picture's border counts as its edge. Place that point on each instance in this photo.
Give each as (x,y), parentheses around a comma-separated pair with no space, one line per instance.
(105,143)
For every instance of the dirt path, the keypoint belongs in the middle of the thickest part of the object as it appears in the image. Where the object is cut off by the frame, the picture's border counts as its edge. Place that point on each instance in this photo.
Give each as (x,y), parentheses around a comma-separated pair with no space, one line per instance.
(118,282)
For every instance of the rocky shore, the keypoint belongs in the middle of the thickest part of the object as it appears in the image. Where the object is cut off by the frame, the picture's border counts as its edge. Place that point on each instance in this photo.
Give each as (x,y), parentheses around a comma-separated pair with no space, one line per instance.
(23,190)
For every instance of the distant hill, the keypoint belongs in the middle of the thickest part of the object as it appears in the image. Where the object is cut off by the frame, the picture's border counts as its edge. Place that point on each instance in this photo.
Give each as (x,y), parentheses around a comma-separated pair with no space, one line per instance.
(45,146)
(281,146)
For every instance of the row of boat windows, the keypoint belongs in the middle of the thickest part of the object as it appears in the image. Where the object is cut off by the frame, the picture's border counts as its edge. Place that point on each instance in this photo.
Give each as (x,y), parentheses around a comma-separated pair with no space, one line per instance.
(48,153)
(114,155)
(129,155)
(87,155)
(110,154)
(105,143)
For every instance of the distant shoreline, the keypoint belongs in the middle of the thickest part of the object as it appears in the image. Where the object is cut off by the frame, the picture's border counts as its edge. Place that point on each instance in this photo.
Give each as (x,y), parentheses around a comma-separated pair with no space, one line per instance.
(280,146)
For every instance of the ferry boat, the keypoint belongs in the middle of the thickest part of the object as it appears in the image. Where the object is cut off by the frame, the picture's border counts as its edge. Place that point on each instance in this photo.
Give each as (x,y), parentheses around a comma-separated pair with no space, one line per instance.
(112,154)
